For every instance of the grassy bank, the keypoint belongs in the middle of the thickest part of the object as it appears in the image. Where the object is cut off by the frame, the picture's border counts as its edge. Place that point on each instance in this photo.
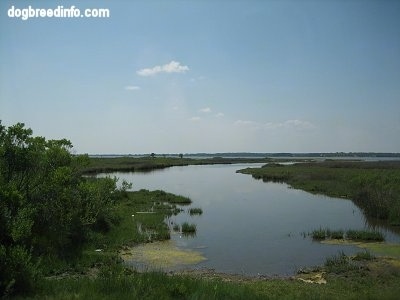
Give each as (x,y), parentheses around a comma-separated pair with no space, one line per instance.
(373,186)
(143,164)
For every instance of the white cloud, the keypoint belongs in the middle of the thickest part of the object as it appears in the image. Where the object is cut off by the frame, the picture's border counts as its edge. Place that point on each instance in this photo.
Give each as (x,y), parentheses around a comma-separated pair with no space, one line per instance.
(132,88)
(289,124)
(298,124)
(172,67)
(205,110)
(195,119)
(220,115)
(241,122)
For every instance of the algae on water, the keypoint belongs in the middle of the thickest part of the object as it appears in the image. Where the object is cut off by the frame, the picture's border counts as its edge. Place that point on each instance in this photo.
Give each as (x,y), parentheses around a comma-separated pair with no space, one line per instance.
(163,254)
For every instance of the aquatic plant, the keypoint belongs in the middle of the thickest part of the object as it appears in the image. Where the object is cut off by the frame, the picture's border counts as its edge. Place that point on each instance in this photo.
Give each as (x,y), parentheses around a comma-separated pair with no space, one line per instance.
(188,228)
(365,235)
(335,234)
(319,234)
(195,211)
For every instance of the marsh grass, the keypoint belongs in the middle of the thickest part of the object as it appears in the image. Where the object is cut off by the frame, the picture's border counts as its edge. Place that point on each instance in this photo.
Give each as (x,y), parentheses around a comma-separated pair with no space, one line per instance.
(373,186)
(188,228)
(364,255)
(171,198)
(195,211)
(340,263)
(365,235)
(335,234)
(355,235)
(319,234)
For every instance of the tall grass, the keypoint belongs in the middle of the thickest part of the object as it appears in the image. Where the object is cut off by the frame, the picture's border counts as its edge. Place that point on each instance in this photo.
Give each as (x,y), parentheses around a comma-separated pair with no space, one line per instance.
(195,211)
(151,285)
(364,235)
(356,235)
(188,228)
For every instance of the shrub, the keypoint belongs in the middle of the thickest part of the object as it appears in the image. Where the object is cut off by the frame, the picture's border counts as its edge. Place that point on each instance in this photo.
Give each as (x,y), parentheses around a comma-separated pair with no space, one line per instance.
(18,273)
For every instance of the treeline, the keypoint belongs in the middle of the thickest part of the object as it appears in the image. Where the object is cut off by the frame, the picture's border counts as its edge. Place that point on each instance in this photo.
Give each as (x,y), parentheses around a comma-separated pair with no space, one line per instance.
(288,154)
(47,209)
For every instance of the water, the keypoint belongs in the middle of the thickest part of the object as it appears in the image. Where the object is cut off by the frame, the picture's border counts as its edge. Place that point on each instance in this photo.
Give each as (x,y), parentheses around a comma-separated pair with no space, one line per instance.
(251,227)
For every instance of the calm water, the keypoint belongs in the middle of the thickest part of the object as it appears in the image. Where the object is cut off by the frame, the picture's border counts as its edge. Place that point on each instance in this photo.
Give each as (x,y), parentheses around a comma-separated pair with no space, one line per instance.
(249,226)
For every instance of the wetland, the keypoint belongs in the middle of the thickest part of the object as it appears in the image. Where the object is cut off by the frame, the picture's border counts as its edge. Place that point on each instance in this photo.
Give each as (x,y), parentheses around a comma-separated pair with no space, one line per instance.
(251,227)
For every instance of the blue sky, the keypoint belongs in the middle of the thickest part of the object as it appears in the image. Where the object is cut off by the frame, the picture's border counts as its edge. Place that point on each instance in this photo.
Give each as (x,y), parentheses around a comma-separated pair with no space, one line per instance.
(207,76)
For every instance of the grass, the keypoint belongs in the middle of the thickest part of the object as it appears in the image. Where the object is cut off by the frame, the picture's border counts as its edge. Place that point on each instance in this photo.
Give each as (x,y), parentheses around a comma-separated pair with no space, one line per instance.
(195,211)
(319,234)
(364,235)
(339,263)
(354,235)
(188,228)
(147,164)
(114,283)
(373,186)
(364,255)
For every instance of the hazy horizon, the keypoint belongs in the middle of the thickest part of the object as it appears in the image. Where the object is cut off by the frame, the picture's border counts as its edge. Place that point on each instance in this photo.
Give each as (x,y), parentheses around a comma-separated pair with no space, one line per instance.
(207,76)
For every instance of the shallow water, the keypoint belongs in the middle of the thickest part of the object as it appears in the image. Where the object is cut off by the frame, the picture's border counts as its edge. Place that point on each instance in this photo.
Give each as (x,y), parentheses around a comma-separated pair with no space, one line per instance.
(248,226)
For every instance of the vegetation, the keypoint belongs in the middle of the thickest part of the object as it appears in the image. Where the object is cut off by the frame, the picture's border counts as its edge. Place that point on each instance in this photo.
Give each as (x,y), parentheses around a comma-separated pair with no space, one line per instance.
(354,235)
(150,163)
(373,186)
(364,235)
(195,211)
(47,209)
(188,228)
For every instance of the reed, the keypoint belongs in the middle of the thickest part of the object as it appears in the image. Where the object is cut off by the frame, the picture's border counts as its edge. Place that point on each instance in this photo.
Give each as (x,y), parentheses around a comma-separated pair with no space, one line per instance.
(195,211)
(365,235)
(188,228)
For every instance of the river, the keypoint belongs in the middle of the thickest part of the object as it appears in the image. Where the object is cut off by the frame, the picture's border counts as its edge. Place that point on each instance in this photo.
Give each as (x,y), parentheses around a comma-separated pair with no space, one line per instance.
(248,226)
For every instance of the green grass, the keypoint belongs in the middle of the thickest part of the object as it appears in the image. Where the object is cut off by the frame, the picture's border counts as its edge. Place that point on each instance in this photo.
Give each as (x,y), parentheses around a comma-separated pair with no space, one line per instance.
(188,228)
(354,235)
(195,211)
(147,164)
(114,283)
(373,186)
(335,234)
(364,235)
(364,255)
(319,234)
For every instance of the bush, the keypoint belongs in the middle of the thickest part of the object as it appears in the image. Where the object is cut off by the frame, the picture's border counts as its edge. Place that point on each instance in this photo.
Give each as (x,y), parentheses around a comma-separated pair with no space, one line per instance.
(18,273)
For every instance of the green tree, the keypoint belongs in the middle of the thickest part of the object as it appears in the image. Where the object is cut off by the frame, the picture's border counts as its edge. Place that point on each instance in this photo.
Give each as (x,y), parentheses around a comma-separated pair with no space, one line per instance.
(46,206)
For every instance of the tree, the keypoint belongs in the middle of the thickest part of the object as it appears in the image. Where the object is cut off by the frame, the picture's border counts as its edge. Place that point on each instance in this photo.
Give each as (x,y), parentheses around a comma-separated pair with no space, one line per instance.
(46,206)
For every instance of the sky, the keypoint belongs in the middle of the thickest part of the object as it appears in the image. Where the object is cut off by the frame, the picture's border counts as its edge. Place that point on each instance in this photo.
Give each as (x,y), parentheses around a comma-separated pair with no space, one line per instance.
(206,76)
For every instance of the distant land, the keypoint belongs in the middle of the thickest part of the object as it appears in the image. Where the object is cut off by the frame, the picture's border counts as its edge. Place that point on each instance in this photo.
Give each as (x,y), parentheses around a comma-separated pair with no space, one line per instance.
(265,155)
